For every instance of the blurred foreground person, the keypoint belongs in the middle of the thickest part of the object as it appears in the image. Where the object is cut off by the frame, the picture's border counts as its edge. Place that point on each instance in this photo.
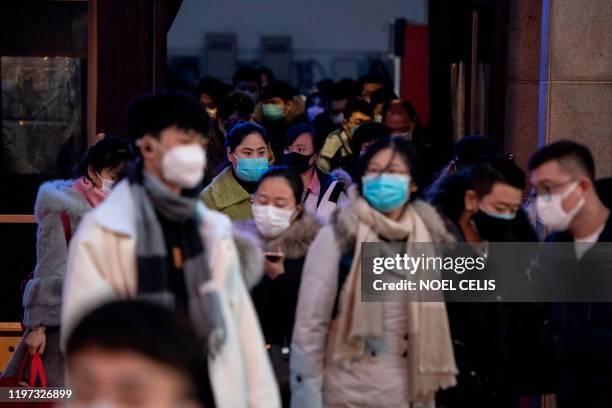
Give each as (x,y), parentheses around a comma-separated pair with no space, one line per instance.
(153,239)
(247,159)
(349,353)
(136,354)
(59,207)
(323,192)
(285,231)
(567,203)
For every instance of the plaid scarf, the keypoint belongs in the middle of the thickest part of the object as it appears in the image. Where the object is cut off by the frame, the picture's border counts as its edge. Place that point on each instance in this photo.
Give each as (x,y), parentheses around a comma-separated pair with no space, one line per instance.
(204,305)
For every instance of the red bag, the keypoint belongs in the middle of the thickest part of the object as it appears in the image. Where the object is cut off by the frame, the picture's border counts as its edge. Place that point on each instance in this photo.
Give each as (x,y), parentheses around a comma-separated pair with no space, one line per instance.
(37,372)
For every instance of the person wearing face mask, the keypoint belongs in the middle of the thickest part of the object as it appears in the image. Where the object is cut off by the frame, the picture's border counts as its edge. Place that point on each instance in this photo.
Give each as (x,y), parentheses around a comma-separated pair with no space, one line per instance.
(247,159)
(378,100)
(285,231)
(60,206)
(400,116)
(365,136)
(350,353)
(279,109)
(496,361)
(323,192)
(368,84)
(339,97)
(116,357)
(563,174)
(337,151)
(153,239)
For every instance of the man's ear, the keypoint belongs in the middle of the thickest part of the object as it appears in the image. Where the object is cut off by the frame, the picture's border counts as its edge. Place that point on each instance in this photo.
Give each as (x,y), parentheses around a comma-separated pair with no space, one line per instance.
(470,201)
(585,184)
(146,146)
(289,106)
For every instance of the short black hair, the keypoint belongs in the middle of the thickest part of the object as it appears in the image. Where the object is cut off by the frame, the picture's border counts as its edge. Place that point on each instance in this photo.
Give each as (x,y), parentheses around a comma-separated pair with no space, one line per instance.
(278,89)
(494,169)
(293,179)
(147,329)
(296,130)
(382,95)
(326,86)
(349,87)
(470,149)
(246,73)
(565,150)
(235,102)
(111,152)
(214,87)
(369,132)
(153,113)
(241,130)
(406,106)
(369,79)
(400,146)
(267,72)
(357,105)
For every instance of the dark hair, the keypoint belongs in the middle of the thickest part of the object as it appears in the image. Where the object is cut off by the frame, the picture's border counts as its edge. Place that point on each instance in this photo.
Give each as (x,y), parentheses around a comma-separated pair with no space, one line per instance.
(278,89)
(108,153)
(382,95)
(147,329)
(151,114)
(400,146)
(349,87)
(470,149)
(246,74)
(368,132)
(565,150)
(369,79)
(235,102)
(406,107)
(293,179)
(296,130)
(267,72)
(494,169)
(241,130)
(326,86)
(214,87)
(357,105)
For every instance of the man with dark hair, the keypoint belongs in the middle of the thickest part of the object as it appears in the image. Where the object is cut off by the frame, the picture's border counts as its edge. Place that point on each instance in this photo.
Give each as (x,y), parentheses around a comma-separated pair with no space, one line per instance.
(152,238)
(209,91)
(247,80)
(378,99)
(267,76)
(563,174)
(338,98)
(136,354)
(337,150)
(401,117)
(368,84)
(280,109)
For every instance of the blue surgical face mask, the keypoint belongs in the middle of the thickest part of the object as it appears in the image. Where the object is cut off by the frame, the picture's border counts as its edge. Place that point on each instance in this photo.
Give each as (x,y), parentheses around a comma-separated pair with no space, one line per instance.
(386,191)
(272,111)
(500,216)
(250,168)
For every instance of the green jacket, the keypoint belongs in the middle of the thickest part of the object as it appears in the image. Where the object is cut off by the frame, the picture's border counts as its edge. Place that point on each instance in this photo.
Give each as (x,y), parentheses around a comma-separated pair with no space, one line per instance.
(226,195)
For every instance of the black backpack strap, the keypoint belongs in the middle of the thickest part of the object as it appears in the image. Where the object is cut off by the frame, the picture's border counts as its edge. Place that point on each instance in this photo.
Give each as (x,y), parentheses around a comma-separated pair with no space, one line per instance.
(335,194)
(344,268)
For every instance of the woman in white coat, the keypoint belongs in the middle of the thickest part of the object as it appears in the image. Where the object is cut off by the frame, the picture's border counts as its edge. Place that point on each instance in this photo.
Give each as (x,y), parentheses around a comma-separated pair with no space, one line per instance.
(349,353)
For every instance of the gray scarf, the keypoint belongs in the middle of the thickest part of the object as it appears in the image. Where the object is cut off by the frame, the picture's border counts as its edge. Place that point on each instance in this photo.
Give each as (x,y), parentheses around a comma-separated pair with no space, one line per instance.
(204,305)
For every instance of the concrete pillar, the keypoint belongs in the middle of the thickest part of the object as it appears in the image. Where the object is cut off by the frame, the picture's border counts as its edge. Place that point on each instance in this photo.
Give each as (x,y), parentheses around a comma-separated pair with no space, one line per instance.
(560,77)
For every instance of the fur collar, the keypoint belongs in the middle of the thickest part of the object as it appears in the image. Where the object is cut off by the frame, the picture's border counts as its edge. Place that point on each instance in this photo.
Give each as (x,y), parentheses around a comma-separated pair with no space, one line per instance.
(345,224)
(58,195)
(294,242)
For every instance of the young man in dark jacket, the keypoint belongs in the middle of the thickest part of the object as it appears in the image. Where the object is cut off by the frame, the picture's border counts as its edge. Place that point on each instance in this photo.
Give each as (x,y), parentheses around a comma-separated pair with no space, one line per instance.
(563,174)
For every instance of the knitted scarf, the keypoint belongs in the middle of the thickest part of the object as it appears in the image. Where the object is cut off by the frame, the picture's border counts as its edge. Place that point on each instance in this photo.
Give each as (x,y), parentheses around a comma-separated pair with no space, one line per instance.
(204,306)
(431,362)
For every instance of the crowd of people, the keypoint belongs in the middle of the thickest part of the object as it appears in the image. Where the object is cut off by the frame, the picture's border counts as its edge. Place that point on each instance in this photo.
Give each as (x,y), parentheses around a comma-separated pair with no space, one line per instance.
(211,257)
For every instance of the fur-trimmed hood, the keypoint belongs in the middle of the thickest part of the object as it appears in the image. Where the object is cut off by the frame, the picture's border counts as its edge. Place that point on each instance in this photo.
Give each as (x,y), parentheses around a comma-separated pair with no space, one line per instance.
(294,241)
(345,224)
(59,195)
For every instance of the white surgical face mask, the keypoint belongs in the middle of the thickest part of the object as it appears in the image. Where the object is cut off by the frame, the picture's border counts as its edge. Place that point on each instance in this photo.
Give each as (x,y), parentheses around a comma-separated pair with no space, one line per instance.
(271,221)
(551,212)
(184,165)
(107,184)
(337,119)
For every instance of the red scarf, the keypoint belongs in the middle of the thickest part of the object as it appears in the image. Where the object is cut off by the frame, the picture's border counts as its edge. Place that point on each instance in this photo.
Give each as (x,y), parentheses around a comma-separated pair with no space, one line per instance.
(89,191)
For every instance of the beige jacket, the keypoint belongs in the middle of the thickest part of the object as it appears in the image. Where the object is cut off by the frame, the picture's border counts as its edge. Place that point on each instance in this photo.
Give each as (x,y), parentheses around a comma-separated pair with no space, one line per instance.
(102,267)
